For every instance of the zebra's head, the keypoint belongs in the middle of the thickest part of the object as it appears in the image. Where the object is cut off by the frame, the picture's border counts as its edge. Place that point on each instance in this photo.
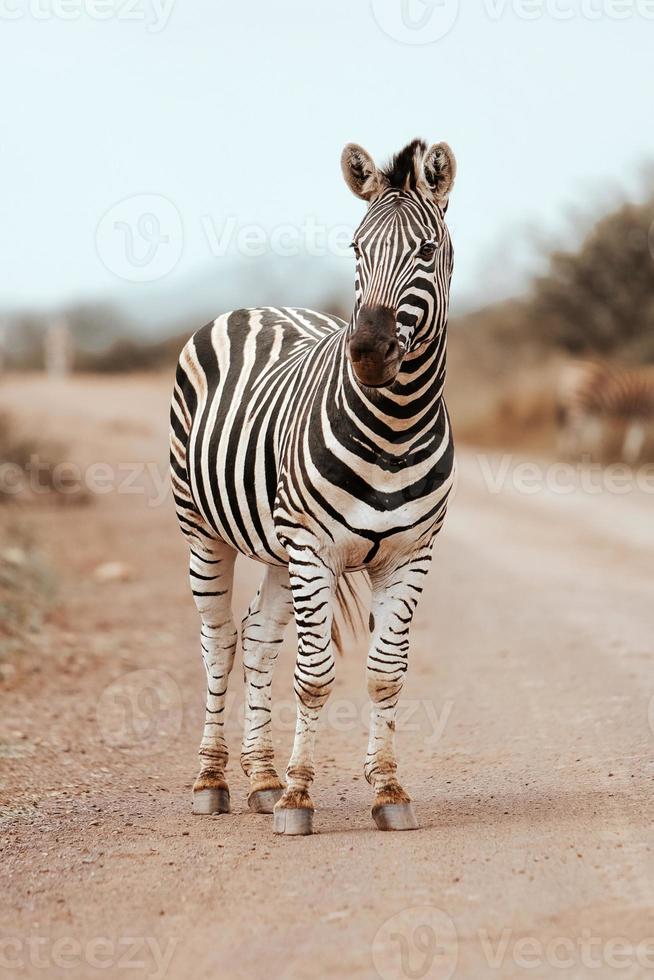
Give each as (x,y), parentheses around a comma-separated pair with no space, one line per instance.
(403,254)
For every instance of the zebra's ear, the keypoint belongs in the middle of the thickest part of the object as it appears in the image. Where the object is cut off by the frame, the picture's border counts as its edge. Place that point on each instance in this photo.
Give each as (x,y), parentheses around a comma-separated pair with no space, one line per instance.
(440,172)
(360,172)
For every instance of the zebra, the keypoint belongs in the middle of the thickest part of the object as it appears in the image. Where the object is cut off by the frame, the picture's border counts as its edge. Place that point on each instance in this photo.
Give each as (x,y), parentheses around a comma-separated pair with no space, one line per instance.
(594,394)
(320,448)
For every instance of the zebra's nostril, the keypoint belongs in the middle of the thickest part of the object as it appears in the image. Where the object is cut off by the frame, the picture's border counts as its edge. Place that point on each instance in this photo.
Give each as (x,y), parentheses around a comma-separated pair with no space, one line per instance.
(391,351)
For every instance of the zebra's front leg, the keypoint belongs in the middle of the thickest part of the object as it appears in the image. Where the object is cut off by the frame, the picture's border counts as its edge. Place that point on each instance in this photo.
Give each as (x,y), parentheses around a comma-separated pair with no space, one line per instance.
(312,586)
(395,597)
(211,573)
(263,631)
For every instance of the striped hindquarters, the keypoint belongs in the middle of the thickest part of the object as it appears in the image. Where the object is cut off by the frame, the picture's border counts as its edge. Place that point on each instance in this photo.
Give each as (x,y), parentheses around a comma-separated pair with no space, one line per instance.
(590,388)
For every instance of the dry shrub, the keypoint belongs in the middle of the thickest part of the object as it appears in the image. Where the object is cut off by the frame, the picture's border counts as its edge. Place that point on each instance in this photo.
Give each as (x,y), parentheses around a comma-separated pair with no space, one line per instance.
(14,447)
(127,355)
(27,590)
(516,410)
(502,384)
(505,360)
(18,455)
(525,415)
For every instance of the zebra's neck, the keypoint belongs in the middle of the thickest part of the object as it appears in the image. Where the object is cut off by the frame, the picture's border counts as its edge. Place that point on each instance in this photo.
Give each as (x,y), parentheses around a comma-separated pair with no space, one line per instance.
(412,407)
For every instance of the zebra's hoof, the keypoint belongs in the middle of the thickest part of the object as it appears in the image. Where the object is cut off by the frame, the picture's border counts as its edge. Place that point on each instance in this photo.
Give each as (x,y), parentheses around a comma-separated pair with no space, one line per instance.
(206,801)
(263,800)
(395,816)
(293,821)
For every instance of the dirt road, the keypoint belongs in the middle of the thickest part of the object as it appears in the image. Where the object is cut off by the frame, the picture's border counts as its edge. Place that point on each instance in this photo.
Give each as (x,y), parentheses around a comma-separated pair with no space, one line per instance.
(525,740)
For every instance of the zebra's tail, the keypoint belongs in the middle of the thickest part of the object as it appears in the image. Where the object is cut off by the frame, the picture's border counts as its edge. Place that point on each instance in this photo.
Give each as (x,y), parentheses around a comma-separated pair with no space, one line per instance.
(349,610)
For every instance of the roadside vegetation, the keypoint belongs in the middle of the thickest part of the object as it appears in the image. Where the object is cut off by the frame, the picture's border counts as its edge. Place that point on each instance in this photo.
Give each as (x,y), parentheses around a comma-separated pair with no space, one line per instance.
(27,592)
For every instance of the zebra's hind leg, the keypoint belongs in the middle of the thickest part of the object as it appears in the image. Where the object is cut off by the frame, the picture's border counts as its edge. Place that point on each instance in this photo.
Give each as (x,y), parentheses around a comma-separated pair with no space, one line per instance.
(634,440)
(312,585)
(395,597)
(211,574)
(262,634)
(592,437)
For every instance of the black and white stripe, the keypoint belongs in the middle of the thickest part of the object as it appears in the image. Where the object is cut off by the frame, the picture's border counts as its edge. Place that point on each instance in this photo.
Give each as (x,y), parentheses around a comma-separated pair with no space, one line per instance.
(280,453)
(594,396)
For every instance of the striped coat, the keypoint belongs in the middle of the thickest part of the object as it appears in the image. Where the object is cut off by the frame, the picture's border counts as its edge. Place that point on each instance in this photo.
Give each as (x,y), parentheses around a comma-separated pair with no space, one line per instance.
(319,448)
(595,397)
(281,436)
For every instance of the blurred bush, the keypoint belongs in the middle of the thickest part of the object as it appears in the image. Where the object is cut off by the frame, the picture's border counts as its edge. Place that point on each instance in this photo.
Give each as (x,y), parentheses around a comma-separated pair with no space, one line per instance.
(93,328)
(505,360)
(600,299)
(127,354)
(30,468)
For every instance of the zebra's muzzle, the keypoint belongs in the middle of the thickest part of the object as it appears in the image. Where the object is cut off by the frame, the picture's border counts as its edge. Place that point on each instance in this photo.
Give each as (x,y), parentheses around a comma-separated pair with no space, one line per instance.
(373,348)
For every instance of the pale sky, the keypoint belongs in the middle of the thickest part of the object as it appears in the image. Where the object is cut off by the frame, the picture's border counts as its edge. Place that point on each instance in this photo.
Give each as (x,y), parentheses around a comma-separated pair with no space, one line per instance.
(236,113)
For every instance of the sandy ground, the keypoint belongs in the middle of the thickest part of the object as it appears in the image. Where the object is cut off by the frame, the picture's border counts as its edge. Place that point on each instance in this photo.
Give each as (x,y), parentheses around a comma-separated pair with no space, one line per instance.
(525,740)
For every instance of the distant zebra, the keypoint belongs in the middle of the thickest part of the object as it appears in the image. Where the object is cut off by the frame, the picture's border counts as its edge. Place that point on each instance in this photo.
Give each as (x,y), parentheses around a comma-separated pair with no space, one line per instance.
(592,396)
(321,448)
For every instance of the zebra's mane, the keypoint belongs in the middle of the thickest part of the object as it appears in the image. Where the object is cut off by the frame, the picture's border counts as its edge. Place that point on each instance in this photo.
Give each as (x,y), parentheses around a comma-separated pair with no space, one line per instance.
(404,170)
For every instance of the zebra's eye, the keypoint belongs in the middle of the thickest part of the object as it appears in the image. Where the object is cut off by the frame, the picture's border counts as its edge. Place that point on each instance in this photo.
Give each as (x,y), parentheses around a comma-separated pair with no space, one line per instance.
(427,250)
